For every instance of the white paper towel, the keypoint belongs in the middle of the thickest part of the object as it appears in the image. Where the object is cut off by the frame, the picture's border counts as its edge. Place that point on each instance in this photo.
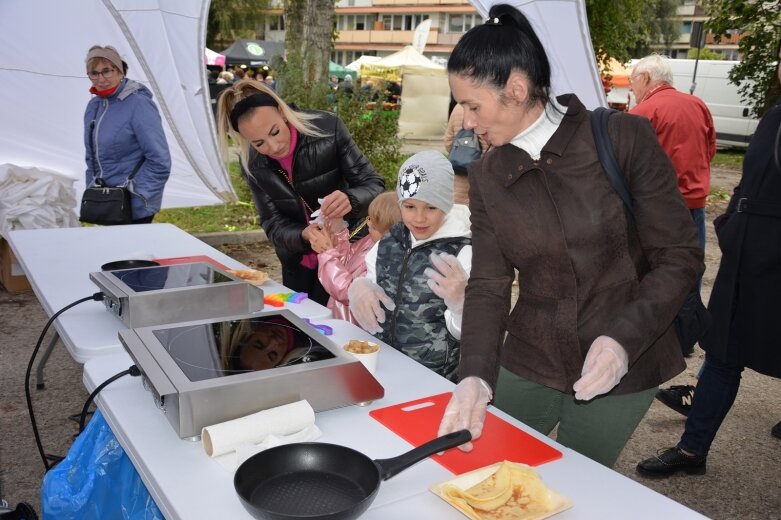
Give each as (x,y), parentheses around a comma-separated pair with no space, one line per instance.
(243,437)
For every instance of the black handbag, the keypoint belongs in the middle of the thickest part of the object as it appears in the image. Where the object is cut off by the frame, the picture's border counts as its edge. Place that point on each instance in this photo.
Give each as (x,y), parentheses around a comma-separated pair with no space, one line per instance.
(693,319)
(106,205)
(466,149)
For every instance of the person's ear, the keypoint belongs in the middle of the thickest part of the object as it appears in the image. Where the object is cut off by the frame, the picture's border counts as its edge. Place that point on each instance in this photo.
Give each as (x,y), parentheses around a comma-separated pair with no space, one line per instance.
(517,88)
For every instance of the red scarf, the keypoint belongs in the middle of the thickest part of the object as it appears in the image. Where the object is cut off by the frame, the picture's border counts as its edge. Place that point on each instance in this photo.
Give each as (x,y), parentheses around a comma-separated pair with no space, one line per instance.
(104,93)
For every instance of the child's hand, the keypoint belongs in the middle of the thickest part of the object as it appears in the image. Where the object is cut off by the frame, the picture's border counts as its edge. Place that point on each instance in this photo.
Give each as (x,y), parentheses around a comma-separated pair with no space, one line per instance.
(366,298)
(447,280)
(318,239)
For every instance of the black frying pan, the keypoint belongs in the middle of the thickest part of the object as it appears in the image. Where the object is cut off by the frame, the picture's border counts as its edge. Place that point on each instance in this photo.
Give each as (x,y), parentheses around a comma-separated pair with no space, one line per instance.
(322,481)
(127,264)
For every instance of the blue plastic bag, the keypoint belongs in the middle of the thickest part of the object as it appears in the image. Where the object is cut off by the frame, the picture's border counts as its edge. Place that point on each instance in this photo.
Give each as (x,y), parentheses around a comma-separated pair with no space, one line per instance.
(96,480)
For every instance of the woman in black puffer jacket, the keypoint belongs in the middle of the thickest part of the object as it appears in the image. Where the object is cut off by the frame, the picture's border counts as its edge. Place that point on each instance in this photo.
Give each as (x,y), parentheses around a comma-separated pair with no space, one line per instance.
(296,162)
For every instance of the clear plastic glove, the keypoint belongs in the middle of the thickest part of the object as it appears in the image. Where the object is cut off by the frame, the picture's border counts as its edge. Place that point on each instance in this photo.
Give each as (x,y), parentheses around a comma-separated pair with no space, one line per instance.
(447,280)
(606,363)
(466,409)
(366,302)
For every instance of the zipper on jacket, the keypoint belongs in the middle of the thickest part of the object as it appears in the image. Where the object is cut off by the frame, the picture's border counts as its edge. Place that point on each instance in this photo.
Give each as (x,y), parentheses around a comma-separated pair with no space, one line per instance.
(97,149)
(402,273)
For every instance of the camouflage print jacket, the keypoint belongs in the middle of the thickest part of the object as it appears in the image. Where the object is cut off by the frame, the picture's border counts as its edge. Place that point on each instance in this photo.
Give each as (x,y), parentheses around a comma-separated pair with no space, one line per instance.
(417,327)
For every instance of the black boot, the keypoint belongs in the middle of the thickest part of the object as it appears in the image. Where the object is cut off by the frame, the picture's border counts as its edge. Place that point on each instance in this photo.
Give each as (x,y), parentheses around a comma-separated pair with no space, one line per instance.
(670,461)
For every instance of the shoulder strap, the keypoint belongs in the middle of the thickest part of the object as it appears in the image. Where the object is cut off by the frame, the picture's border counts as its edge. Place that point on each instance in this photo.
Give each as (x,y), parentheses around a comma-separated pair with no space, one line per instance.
(135,169)
(607,156)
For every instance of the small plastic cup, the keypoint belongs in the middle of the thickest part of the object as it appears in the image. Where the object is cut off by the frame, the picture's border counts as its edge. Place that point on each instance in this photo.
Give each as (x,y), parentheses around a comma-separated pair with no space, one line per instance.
(367,353)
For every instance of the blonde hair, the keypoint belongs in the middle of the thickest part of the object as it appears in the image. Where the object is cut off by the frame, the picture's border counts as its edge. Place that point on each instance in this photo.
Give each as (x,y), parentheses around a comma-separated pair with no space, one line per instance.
(384,211)
(243,89)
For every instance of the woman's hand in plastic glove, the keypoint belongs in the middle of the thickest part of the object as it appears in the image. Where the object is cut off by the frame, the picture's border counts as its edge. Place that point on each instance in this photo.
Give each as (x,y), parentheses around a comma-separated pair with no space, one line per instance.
(448,280)
(366,301)
(606,363)
(335,205)
(466,409)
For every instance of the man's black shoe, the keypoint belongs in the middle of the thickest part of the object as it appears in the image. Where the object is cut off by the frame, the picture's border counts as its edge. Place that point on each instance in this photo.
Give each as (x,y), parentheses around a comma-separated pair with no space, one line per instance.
(677,397)
(775,431)
(670,461)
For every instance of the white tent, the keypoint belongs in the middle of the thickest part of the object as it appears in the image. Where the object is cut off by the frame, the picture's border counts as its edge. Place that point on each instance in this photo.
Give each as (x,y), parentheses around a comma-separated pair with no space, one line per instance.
(364,59)
(562,26)
(45,87)
(405,61)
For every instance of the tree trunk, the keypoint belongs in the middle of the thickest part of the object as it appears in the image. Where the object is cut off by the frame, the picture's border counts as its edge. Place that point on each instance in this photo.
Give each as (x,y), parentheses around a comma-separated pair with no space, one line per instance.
(309,38)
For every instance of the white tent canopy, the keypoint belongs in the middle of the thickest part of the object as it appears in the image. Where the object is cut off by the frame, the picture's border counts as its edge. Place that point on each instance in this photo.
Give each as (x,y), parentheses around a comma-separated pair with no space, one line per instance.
(405,61)
(364,59)
(562,26)
(45,87)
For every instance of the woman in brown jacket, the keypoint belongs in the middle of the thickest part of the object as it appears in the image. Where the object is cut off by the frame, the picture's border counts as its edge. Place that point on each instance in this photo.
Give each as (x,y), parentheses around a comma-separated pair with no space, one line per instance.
(591,335)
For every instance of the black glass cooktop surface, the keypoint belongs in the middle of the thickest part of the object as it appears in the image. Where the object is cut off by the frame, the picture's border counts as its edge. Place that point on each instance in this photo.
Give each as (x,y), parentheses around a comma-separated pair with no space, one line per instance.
(226,348)
(170,277)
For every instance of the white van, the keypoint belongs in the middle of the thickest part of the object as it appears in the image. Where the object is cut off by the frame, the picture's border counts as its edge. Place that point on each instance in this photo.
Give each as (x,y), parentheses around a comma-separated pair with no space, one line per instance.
(734,122)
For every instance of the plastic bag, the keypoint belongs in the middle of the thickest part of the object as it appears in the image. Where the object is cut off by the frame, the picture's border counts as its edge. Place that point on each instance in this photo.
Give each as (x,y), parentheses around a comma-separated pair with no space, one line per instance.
(96,480)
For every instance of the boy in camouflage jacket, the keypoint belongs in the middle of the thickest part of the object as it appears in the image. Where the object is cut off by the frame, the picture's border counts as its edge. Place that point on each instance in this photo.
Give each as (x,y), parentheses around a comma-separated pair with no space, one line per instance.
(419,270)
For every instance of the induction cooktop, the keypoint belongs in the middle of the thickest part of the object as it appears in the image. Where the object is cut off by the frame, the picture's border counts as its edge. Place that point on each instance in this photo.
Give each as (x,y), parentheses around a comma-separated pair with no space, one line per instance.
(175,293)
(209,371)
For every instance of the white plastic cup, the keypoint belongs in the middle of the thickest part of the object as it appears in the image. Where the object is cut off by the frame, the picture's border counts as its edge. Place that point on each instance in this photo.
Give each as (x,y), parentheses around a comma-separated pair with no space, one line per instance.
(368,360)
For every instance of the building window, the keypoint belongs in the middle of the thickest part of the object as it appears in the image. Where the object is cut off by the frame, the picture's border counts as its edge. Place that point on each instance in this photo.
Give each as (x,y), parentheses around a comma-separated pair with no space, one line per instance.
(402,22)
(350,22)
(687,28)
(461,23)
(277,23)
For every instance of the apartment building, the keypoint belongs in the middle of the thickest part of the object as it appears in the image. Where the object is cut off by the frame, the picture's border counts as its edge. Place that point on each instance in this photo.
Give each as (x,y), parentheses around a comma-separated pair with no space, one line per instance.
(689,14)
(382,27)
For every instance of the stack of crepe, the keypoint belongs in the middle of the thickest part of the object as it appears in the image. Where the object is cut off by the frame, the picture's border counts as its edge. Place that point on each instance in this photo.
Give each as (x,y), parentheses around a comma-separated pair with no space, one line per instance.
(506,491)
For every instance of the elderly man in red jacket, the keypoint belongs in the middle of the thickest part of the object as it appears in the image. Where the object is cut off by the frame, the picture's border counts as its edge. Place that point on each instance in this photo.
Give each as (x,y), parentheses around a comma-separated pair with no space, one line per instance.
(684,127)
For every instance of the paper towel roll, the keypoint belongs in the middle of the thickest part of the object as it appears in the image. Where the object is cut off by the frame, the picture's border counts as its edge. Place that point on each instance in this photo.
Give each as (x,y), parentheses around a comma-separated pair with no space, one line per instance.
(225,437)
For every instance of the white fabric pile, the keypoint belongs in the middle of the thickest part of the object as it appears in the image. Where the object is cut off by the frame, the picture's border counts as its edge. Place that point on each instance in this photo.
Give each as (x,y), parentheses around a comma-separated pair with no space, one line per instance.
(32,198)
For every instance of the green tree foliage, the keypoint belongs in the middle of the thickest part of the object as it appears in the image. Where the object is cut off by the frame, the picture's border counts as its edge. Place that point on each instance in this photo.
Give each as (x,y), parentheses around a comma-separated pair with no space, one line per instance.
(759,23)
(705,54)
(233,19)
(623,28)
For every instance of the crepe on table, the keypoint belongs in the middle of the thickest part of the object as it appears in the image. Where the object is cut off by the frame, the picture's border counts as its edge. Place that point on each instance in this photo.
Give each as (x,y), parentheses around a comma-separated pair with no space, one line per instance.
(252,276)
(504,491)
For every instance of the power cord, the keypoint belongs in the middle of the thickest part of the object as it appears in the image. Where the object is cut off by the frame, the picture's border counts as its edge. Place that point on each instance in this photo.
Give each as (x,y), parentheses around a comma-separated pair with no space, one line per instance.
(99,296)
(133,371)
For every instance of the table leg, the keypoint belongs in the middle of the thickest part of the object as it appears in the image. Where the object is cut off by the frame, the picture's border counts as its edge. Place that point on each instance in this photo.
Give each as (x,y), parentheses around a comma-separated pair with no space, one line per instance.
(39,384)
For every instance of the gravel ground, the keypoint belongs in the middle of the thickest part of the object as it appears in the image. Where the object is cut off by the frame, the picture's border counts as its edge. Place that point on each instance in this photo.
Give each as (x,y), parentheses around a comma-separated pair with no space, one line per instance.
(743,479)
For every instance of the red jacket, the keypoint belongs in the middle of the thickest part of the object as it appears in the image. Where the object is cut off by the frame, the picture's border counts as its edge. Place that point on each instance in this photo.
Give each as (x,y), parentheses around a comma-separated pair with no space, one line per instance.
(685,130)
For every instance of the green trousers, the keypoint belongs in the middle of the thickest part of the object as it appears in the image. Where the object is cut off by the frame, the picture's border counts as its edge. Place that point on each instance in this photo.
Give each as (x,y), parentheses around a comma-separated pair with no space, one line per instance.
(598,429)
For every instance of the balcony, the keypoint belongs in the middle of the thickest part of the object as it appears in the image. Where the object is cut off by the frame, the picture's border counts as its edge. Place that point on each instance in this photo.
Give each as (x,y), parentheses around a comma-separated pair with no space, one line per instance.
(383,37)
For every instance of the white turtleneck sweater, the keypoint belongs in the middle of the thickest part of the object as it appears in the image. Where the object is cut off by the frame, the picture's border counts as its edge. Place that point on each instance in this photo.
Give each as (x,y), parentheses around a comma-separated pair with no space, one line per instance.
(534,138)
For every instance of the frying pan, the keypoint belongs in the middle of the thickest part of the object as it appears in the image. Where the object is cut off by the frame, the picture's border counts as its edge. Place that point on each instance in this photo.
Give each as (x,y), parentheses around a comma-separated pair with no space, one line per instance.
(322,481)
(127,264)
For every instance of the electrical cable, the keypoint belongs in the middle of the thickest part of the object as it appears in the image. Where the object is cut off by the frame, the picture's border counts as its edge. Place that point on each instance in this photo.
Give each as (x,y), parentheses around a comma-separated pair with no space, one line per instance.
(133,371)
(99,296)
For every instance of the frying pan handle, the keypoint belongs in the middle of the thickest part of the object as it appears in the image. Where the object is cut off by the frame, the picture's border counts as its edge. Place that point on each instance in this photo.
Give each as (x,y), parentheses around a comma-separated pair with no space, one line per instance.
(394,466)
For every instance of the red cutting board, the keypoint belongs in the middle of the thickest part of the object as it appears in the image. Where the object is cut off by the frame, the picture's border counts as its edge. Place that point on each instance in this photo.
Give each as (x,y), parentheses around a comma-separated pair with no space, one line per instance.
(189,260)
(417,422)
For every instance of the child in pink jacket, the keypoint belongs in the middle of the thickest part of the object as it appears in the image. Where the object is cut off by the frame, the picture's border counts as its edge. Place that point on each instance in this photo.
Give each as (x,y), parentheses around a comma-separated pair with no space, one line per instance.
(342,260)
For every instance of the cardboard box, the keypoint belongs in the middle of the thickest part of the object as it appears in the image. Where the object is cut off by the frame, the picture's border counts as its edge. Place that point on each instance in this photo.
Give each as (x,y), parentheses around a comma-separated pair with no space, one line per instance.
(11,274)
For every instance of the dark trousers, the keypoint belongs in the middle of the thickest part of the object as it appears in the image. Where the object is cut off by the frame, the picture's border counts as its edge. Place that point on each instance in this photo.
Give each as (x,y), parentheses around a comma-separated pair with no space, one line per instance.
(301,279)
(698,216)
(716,390)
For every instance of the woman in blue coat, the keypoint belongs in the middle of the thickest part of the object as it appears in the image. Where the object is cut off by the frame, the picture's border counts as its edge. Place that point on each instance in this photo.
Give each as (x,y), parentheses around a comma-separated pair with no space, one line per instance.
(122,131)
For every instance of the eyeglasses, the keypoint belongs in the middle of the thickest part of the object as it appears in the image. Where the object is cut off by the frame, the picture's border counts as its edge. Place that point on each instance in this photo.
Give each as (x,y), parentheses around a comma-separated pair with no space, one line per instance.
(106,73)
(634,77)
